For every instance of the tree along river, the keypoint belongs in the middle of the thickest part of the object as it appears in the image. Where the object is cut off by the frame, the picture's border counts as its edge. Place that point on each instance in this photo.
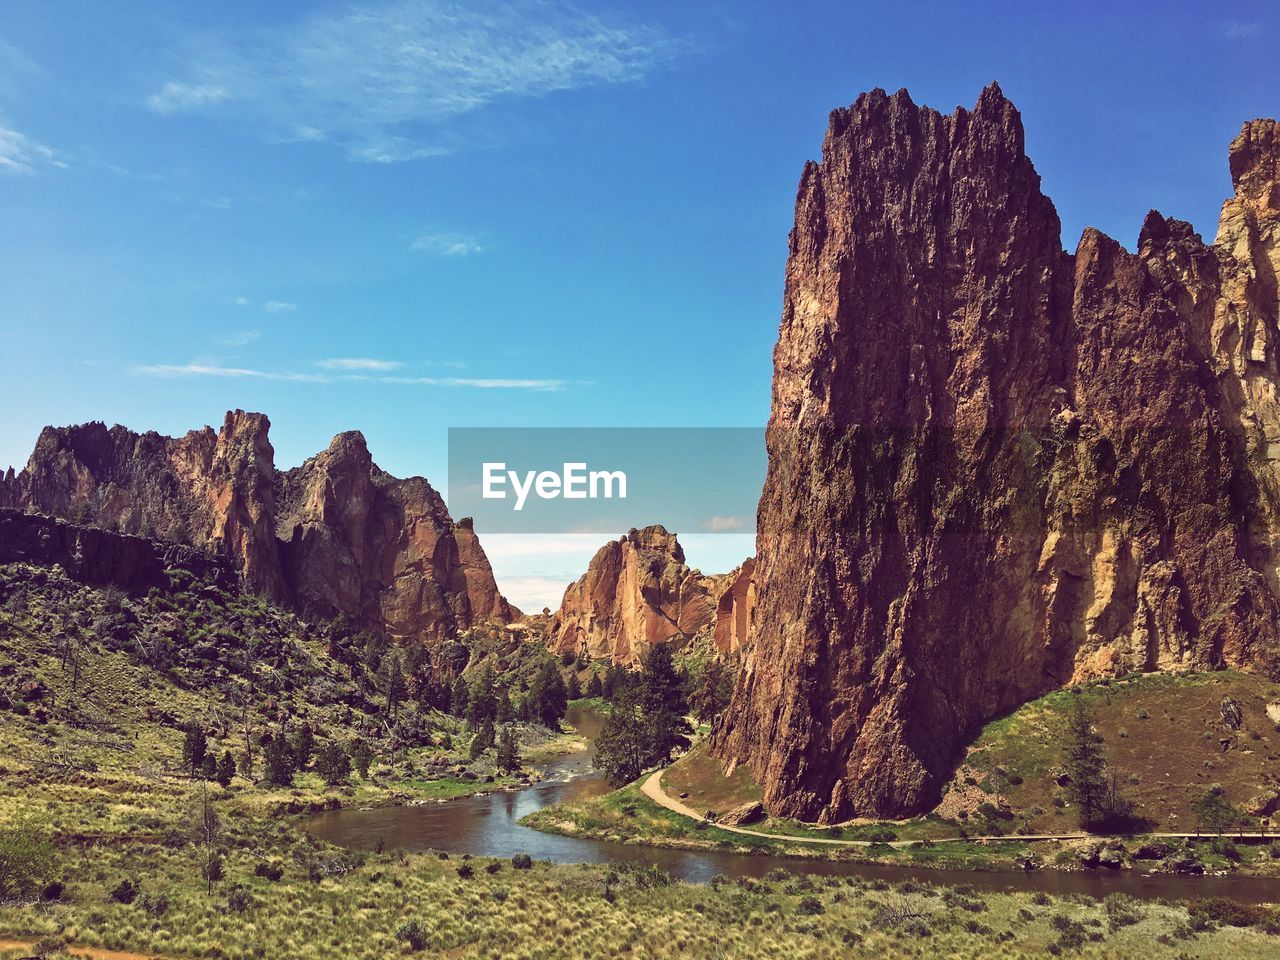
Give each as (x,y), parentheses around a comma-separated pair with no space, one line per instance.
(488,825)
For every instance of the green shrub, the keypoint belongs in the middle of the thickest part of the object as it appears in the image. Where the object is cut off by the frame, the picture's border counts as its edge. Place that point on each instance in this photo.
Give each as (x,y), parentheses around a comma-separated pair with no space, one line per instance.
(1122,910)
(156,906)
(126,891)
(27,858)
(1219,911)
(269,870)
(412,933)
(239,899)
(521,861)
(810,906)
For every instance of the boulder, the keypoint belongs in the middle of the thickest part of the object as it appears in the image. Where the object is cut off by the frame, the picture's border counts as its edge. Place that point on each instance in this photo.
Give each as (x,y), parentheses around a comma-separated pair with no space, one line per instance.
(741,815)
(1263,804)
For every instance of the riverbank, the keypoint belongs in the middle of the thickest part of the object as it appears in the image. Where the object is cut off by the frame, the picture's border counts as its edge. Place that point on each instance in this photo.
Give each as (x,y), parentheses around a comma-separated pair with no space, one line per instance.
(646,813)
(325,903)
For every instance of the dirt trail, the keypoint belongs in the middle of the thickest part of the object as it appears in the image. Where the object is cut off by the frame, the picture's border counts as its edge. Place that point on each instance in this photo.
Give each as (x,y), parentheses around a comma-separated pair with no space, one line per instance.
(88,953)
(652,788)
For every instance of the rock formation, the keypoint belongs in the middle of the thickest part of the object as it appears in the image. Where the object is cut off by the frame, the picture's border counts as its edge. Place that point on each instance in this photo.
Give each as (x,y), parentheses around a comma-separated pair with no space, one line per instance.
(357,540)
(735,602)
(637,592)
(996,468)
(335,535)
(101,558)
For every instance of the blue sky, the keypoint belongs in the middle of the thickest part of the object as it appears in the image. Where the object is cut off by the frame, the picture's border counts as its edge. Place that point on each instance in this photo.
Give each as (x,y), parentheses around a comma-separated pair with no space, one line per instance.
(405,216)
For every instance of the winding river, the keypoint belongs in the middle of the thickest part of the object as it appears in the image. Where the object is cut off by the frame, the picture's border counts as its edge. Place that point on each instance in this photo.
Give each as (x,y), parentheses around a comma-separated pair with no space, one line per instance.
(488,825)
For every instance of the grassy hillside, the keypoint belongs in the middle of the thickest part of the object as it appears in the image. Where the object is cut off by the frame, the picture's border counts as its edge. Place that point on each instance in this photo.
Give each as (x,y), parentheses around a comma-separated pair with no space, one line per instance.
(97,690)
(1164,738)
(1165,741)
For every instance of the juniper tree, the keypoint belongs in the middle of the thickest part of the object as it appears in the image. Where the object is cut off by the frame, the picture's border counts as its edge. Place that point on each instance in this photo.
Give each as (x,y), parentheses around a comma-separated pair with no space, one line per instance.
(663,705)
(280,761)
(333,764)
(361,756)
(1084,763)
(304,745)
(508,751)
(459,697)
(547,699)
(226,769)
(194,745)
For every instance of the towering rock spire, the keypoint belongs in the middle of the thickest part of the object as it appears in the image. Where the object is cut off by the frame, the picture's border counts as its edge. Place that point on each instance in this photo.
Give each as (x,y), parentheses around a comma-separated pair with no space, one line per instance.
(995,468)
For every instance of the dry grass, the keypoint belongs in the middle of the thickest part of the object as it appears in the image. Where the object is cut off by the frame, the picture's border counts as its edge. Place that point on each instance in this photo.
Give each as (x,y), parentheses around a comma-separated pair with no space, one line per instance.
(701,776)
(1162,737)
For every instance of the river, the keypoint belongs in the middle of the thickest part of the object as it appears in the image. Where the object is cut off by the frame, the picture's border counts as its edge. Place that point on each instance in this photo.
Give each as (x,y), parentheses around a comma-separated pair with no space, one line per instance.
(488,826)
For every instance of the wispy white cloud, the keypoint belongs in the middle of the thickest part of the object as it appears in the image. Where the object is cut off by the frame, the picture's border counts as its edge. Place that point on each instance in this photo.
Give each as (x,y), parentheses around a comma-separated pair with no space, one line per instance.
(720,524)
(374,76)
(22,156)
(533,594)
(540,546)
(1240,30)
(242,339)
(343,375)
(394,150)
(480,383)
(185,97)
(174,371)
(17,70)
(241,301)
(448,244)
(358,363)
(279,306)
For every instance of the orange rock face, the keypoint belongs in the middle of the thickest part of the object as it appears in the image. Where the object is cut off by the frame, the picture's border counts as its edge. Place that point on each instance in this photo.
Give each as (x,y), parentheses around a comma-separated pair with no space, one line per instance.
(637,592)
(335,535)
(996,468)
(735,603)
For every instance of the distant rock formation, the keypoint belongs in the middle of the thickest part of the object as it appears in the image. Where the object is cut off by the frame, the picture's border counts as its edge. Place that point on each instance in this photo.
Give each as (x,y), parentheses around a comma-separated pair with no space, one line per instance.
(335,535)
(735,603)
(637,592)
(102,558)
(996,468)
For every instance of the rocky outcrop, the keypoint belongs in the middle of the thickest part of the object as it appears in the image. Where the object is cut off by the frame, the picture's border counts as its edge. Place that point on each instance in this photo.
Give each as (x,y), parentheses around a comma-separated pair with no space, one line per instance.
(102,558)
(996,468)
(356,539)
(741,816)
(735,602)
(205,489)
(637,592)
(486,603)
(336,535)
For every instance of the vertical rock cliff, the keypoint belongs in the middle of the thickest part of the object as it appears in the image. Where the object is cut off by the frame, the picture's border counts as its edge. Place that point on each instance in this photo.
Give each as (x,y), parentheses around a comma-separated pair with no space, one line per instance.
(637,592)
(335,535)
(735,604)
(996,468)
